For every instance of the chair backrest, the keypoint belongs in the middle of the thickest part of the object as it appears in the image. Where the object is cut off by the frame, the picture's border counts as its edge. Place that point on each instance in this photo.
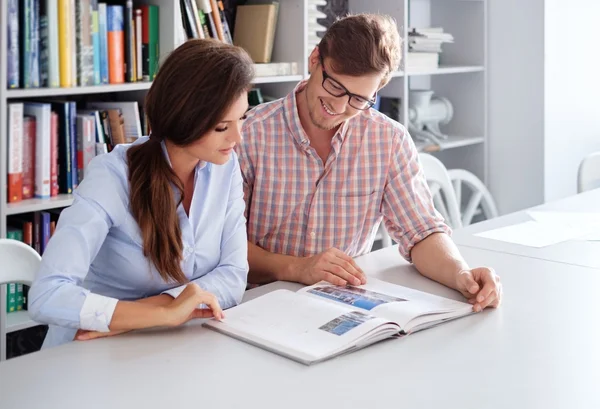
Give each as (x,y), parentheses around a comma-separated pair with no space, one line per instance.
(19,262)
(588,176)
(439,182)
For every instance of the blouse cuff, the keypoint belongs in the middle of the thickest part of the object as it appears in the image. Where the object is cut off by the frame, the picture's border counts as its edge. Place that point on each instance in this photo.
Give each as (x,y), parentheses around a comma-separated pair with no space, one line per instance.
(96,313)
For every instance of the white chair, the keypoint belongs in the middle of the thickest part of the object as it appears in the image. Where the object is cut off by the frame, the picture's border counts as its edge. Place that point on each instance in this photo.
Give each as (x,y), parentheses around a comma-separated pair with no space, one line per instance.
(588,175)
(480,201)
(19,262)
(442,190)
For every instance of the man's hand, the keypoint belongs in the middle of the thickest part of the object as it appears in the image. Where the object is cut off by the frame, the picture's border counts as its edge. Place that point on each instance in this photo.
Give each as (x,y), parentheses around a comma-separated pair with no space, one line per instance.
(481,286)
(332,265)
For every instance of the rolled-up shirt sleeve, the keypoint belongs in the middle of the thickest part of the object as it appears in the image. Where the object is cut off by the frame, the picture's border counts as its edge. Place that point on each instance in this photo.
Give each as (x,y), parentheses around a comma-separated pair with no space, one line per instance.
(228,280)
(56,296)
(407,207)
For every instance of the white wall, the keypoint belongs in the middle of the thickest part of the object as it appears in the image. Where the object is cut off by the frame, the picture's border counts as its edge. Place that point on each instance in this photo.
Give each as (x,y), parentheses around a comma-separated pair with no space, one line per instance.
(572,85)
(516,102)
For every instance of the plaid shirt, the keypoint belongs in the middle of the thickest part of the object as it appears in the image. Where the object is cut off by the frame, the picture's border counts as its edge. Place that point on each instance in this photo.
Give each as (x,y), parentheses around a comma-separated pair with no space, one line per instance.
(296,205)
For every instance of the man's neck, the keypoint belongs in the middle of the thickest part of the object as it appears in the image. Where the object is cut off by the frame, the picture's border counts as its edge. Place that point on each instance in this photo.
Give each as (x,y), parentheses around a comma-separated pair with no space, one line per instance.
(316,135)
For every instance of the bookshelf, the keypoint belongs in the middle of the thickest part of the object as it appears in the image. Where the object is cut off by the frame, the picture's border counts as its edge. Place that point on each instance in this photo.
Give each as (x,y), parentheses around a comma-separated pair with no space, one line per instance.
(461,77)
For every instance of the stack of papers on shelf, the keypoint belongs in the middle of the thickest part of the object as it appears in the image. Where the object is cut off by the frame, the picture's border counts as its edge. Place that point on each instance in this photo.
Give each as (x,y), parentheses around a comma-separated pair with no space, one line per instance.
(424,48)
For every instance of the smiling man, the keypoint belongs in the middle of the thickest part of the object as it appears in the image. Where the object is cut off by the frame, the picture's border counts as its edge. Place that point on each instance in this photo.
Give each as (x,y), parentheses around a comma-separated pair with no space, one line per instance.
(322,169)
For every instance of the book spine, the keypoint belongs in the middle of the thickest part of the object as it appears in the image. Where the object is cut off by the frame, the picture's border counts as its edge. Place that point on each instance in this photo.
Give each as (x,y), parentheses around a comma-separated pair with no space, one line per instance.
(37,232)
(34,42)
(73,141)
(153,41)
(80,136)
(15,152)
(29,126)
(207,10)
(228,38)
(54,155)
(11,302)
(65,52)
(53,51)
(103,33)
(19,300)
(85,51)
(25,25)
(138,45)
(65,183)
(74,59)
(129,42)
(42,147)
(116,44)
(13,51)
(217,19)
(44,45)
(94,14)
(44,231)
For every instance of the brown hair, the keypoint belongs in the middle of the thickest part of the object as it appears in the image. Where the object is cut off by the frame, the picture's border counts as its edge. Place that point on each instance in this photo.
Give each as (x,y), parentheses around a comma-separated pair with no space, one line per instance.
(362,44)
(192,90)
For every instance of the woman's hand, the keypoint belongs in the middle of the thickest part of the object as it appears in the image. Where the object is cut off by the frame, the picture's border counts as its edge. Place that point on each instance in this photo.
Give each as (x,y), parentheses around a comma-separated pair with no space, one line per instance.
(185,306)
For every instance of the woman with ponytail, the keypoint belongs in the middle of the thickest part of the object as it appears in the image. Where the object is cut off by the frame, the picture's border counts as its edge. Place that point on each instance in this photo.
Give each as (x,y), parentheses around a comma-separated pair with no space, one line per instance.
(156,233)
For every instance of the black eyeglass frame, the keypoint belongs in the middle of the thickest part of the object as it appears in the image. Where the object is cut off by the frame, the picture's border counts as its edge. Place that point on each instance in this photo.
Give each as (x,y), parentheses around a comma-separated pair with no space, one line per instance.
(370,102)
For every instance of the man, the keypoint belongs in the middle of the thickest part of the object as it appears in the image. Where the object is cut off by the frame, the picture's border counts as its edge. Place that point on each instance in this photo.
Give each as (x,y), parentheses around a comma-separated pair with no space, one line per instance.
(322,169)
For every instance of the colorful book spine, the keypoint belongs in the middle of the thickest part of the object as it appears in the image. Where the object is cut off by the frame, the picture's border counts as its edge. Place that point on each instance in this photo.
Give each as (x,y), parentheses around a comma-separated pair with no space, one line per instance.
(28,156)
(53,50)
(116,44)
(15,152)
(42,114)
(44,46)
(150,51)
(13,51)
(73,140)
(95,40)
(65,33)
(129,42)
(103,36)
(54,155)
(11,295)
(85,49)
(44,231)
(138,45)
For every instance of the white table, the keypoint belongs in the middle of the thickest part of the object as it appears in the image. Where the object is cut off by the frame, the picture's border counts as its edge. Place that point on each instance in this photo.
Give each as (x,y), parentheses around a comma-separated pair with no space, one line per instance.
(576,252)
(540,350)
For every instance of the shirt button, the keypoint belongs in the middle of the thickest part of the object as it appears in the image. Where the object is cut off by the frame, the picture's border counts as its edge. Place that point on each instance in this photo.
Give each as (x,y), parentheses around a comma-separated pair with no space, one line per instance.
(313,234)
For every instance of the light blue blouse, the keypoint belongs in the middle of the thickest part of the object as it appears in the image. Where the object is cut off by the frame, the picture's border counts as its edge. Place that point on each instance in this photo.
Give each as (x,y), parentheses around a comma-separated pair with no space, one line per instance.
(95,256)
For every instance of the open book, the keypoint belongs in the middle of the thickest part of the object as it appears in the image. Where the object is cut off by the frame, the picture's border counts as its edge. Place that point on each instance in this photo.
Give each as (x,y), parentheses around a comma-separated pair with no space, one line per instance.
(322,321)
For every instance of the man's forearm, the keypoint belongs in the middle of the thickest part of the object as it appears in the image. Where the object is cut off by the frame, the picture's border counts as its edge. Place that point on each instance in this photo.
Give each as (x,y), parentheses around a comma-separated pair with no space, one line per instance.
(266,267)
(438,258)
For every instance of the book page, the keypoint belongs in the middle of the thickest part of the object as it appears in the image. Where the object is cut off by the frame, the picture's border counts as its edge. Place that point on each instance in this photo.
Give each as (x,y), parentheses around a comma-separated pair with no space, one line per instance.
(299,327)
(399,304)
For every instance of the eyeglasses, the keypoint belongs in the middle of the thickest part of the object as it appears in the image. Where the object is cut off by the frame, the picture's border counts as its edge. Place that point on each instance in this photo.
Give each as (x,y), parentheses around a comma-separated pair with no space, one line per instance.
(337,90)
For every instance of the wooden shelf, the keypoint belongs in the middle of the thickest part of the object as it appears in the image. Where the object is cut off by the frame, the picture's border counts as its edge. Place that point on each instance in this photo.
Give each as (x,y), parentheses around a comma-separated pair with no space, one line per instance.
(18,320)
(34,205)
(447,69)
(450,143)
(95,89)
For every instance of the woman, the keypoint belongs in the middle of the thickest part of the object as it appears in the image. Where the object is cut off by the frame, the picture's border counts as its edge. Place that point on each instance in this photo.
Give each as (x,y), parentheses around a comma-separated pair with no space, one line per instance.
(154,215)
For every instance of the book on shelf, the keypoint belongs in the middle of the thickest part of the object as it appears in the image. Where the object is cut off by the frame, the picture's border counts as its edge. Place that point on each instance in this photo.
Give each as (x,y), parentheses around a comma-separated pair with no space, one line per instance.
(254,30)
(69,43)
(35,230)
(50,144)
(323,321)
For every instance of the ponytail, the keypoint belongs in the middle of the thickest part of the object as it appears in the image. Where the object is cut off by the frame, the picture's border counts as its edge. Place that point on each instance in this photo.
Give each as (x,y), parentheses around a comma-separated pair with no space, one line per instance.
(154,209)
